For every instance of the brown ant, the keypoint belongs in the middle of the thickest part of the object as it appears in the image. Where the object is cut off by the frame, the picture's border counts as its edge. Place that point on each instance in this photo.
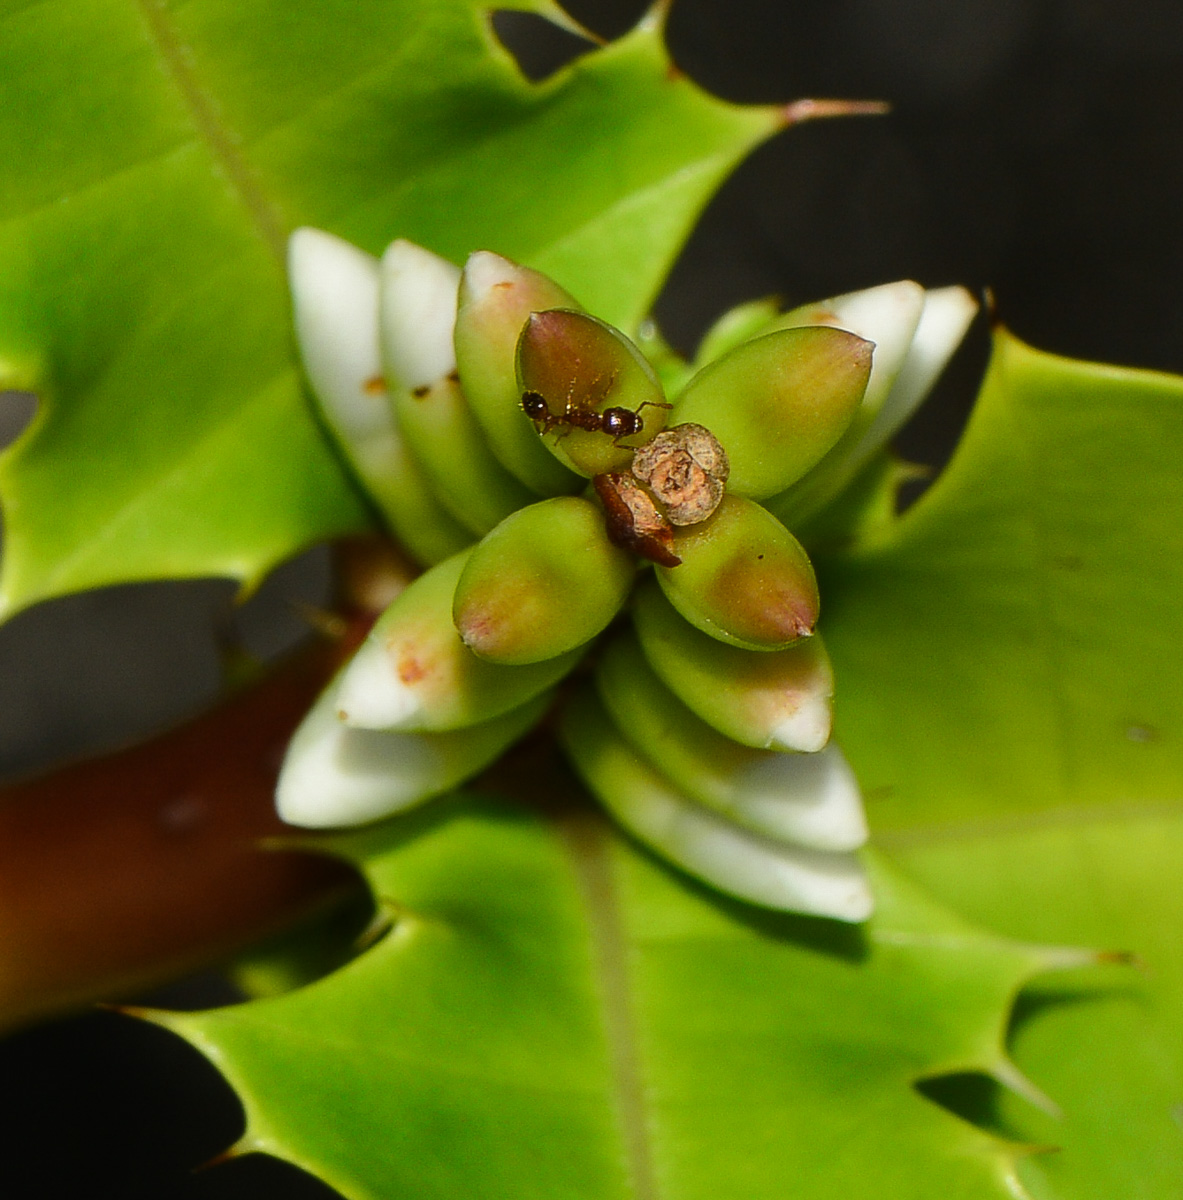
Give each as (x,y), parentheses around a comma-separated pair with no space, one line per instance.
(618,422)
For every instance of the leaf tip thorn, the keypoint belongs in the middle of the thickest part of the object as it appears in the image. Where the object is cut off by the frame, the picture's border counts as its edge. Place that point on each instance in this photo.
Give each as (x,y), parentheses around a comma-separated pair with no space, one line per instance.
(800,111)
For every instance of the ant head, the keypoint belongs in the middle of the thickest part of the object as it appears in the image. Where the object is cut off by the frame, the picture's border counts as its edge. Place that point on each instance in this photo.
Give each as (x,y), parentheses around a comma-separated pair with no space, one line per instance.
(622,422)
(534,406)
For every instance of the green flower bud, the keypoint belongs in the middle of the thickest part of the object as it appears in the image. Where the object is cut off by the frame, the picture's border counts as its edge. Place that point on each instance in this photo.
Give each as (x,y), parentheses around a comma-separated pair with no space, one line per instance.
(886,316)
(744,578)
(417,307)
(414,673)
(810,799)
(545,581)
(778,403)
(915,334)
(335,295)
(496,298)
(730,858)
(778,700)
(336,775)
(736,326)
(590,391)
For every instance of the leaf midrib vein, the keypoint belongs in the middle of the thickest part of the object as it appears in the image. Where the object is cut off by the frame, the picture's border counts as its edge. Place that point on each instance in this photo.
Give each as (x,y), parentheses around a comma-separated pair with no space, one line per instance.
(586,841)
(210,128)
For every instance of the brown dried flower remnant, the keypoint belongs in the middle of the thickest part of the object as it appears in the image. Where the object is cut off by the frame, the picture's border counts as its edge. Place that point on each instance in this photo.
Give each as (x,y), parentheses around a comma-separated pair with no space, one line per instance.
(686,468)
(634,522)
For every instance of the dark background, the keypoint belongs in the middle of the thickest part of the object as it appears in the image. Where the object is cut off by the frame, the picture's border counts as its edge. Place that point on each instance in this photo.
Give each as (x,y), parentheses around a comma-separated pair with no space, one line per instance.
(1034,148)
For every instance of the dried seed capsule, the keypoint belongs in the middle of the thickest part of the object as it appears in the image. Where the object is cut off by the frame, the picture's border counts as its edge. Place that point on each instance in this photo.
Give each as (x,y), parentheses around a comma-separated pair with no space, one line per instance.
(335,775)
(417,307)
(778,403)
(730,858)
(545,581)
(779,700)
(633,520)
(810,799)
(496,298)
(744,578)
(686,467)
(335,293)
(414,673)
(588,389)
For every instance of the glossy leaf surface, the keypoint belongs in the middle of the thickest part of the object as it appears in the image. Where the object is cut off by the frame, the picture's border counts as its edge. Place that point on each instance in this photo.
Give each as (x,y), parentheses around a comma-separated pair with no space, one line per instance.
(156,156)
(555,1014)
(1008,657)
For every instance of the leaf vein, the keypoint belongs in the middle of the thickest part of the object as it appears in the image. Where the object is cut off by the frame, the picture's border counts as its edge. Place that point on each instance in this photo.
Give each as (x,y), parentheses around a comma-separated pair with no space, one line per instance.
(209,126)
(585,839)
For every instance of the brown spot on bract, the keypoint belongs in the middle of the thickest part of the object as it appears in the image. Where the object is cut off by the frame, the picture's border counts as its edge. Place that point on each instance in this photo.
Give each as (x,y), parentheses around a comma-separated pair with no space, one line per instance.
(420,391)
(411,669)
(374,386)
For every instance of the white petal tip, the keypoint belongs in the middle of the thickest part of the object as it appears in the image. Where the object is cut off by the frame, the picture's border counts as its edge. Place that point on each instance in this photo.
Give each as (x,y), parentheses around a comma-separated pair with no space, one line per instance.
(810,799)
(418,314)
(335,776)
(807,729)
(483,271)
(372,696)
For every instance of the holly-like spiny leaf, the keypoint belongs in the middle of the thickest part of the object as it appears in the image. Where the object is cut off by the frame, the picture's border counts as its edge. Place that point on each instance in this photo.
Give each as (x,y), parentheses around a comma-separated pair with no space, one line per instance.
(1106,1043)
(1009,657)
(156,156)
(556,1014)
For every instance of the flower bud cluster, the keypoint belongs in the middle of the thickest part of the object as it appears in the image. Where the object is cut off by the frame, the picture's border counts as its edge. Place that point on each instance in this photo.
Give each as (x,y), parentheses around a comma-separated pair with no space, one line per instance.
(526,453)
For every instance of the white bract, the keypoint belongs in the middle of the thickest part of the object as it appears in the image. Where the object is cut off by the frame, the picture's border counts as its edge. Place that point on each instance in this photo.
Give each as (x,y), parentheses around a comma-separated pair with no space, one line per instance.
(336,775)
(947,315)
(772,873)
(417,305)
(810,799)
(335,297)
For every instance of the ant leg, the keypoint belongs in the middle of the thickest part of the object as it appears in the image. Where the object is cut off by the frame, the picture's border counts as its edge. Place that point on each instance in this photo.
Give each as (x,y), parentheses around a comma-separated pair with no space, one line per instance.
(653,404)
(598,389)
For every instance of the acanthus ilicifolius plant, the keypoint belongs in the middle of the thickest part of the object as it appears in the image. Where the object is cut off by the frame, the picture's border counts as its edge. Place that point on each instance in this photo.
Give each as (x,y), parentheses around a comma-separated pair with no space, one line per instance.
(574,502)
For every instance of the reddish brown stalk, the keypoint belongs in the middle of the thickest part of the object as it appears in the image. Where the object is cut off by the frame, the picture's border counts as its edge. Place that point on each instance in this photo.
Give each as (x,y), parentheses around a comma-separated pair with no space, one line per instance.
(124,871)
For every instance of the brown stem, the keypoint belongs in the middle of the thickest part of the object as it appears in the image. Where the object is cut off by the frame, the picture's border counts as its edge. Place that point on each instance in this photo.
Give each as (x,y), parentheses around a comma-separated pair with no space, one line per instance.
(122,871)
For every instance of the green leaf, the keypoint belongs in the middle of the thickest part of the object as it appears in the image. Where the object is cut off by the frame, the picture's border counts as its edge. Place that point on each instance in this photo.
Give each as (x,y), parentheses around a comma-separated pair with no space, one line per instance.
(1007,646)
(156,156)
(1008,669)
(556,1014)
(1106,1043)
